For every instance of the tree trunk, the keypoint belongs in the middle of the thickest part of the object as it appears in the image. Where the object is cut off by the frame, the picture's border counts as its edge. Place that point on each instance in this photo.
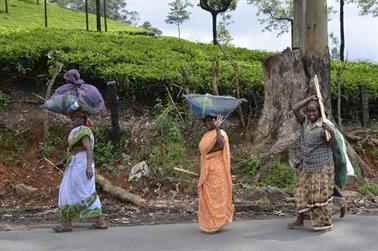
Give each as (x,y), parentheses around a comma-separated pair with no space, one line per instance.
(298,27)
(98,16)
(45,6)
(317,60)
(86,16)
(342,38)
(214,17)
(214,75)
(277,130)
(6,6)
(178,28)
(339,82)
(105,24)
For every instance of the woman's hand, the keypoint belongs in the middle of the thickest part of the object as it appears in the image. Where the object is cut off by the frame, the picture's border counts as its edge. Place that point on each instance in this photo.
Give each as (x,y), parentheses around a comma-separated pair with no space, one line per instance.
(328,127)
(313,98)
(89,172)
(218,122)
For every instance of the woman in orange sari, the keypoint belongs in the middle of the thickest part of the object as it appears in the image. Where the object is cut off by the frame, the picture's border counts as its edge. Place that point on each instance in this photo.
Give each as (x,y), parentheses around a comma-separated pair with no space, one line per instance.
(215,183)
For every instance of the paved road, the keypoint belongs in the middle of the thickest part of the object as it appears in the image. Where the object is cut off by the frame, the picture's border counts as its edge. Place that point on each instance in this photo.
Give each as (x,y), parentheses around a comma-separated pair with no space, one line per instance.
(353,233)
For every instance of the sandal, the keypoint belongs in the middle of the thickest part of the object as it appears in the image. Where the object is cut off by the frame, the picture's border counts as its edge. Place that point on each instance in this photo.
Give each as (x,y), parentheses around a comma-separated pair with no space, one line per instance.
(97,226)
(295,225)
(322,229)
(61,229)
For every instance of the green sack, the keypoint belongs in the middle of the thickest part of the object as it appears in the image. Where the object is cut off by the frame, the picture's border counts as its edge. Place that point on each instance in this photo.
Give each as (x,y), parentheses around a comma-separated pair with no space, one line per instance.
(340,160)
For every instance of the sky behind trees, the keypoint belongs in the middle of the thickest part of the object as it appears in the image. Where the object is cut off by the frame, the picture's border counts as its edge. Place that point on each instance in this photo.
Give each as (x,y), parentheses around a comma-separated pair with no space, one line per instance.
(361,32)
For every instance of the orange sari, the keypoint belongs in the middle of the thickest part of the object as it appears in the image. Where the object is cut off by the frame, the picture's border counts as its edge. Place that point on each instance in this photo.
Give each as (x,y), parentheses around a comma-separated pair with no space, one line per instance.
(215,184)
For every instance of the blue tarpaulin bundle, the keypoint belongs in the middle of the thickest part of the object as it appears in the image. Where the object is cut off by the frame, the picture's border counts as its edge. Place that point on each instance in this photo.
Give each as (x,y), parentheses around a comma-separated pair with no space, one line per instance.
(203,105)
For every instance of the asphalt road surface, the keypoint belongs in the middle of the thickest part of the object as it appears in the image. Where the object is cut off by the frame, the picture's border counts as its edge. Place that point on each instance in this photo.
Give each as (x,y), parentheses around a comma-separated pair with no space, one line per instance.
(351,233)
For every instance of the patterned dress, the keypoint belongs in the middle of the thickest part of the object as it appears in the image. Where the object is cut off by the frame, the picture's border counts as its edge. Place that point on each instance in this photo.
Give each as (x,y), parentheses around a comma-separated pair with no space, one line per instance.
(77,195)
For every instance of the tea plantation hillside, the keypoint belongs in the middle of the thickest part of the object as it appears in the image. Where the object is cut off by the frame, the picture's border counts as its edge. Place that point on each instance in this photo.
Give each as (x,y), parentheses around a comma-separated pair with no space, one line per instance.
(144,66)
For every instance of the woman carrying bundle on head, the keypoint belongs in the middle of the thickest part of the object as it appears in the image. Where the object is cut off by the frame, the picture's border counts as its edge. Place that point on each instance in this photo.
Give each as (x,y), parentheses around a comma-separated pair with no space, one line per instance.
(77,193)
(215,183)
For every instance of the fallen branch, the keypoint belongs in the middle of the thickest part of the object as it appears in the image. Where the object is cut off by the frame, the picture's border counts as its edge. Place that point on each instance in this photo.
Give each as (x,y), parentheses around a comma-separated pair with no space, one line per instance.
(54,165)
(185,171)
(119,192)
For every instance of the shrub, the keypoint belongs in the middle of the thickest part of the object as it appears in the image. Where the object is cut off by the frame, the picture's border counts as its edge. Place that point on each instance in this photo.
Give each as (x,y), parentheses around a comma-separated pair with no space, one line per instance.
(369,189)
(4,99)
(282,176)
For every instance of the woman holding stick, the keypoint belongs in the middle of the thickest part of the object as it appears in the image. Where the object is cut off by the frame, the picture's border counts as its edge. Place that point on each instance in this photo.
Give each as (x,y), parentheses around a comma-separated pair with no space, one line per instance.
(215,183)
(313,193)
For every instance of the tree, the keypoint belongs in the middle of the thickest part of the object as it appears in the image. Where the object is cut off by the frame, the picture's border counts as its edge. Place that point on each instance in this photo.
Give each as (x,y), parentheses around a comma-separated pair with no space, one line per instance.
(147,26)
(275,14)
(86,15)
(215,7)
(178,13)
(367,7)
(45,7)
(98,16)
(115,9)
(278,15)
(288,78)
(105,23)
(277,131)
(224,37)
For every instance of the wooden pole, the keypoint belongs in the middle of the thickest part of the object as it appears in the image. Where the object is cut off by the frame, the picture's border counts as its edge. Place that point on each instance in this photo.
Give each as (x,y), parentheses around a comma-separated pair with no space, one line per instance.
(98,16)
(214,74)
(113,103)
(185,171)
(105,24)
(364,105)
(86,16)
(320,99)
(45,6)
(6,6)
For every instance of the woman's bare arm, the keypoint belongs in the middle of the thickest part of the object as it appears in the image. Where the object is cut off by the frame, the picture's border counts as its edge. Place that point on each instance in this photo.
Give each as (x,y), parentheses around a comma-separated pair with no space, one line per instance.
(88,149)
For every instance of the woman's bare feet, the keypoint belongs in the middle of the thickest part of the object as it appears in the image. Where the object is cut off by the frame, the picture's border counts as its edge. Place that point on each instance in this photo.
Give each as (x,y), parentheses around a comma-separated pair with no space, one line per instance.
(66,226)
(100,223)
(298,223)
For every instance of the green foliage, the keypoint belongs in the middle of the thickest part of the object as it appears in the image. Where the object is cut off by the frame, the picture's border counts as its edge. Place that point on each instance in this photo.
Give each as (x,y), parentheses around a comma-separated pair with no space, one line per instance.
(165,147)
(352,76)
(4,99)
(105,154)
(54,137)
(279,174)
(143,66)
(14,145)
(28,14)
(251,165)
(367,7)
(282,176)
(46,149)
(369,189)
(178,13)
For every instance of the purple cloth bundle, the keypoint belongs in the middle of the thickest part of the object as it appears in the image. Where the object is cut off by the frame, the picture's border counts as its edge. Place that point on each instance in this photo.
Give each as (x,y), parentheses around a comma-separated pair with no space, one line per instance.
(88,100)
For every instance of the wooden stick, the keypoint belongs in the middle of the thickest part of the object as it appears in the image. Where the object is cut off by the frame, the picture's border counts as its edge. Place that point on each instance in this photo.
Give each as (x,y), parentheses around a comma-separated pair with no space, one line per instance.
(54,165)
(185,171)
(320,99)
(119,192)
